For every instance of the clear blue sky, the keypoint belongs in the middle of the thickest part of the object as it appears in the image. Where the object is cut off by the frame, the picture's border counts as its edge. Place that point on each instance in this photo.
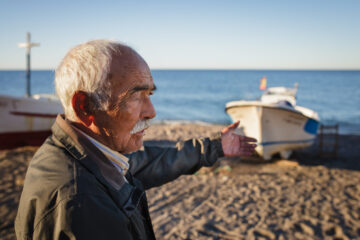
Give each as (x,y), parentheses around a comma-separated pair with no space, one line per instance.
(221,34)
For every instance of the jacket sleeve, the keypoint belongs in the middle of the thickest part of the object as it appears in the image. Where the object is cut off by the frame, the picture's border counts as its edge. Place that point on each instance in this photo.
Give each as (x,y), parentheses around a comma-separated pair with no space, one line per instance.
(83,217)
(155,166)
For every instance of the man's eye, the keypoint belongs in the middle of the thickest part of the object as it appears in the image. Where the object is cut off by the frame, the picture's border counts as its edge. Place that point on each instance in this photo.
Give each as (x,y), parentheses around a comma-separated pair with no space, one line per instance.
(151,93)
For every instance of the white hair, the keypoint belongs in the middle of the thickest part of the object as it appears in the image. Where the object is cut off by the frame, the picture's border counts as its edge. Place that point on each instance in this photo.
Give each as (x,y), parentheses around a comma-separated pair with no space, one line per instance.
(86,68)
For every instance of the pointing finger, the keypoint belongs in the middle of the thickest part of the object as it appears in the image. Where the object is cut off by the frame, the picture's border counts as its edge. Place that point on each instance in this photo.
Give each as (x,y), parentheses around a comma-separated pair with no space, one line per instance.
(234,125)
(231,127)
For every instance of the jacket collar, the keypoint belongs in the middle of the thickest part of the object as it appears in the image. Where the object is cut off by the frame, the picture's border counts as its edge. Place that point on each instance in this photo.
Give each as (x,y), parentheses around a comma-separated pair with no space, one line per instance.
(120,161)
(88,155)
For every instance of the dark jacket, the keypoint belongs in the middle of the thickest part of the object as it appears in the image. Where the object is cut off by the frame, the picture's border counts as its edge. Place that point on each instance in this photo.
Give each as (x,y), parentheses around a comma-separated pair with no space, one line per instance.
(72,191)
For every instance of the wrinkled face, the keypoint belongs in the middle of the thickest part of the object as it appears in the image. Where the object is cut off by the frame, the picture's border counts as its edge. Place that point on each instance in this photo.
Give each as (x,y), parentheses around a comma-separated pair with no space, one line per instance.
(132,86)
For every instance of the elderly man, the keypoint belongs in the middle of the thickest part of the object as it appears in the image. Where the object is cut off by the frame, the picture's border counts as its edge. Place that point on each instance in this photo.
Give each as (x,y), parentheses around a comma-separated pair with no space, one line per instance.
(79,184)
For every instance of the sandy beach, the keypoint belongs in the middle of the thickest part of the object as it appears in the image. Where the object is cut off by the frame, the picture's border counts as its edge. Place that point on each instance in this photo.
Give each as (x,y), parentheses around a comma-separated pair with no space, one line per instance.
(303,198)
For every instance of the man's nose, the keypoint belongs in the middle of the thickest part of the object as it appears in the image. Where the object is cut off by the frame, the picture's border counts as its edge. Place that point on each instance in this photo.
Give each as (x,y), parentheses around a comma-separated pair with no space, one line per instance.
(149,110)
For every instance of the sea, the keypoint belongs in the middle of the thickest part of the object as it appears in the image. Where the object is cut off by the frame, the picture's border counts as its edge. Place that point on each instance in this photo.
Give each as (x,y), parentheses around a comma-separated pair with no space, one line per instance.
(201,95)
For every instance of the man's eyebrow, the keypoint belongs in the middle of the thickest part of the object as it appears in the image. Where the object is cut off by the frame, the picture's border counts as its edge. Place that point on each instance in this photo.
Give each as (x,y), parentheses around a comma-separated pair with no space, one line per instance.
(143,88)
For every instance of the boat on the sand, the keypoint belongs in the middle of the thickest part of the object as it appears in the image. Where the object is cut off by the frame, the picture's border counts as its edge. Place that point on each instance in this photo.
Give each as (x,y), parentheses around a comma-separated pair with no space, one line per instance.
(278,124)
(27,120)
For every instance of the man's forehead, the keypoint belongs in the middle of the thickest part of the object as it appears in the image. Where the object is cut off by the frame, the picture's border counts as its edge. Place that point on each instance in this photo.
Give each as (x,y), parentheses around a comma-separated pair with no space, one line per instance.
(131,84)
(130,71)
(134,80)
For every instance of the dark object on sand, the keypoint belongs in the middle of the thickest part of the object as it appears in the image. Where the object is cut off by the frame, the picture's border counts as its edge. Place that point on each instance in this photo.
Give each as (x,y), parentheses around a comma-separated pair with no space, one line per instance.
(328,141)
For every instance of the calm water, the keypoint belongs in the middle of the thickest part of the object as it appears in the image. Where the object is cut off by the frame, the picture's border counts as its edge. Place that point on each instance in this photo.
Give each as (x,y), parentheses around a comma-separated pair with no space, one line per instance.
(200,95)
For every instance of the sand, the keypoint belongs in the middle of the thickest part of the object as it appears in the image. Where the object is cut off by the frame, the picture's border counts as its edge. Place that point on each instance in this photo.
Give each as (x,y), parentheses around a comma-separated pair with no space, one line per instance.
(303,198)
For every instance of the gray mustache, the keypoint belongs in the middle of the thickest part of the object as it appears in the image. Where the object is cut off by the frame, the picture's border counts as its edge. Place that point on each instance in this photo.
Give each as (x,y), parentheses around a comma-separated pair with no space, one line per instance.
(140,125)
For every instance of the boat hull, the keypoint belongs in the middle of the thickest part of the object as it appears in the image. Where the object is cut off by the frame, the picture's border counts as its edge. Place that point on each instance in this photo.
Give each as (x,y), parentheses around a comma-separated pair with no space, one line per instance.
(26,121)
(278,129)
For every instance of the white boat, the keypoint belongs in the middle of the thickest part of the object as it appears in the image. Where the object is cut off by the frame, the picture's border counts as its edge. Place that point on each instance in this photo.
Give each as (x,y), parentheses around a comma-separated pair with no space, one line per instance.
(276,122)
(27,120)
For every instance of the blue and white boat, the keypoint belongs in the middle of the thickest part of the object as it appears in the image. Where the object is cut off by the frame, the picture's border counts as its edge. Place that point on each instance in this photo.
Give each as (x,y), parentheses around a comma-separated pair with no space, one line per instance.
(279,125)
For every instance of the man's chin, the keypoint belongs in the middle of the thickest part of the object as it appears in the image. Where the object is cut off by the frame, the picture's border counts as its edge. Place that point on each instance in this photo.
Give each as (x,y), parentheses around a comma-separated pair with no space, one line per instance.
(134,146)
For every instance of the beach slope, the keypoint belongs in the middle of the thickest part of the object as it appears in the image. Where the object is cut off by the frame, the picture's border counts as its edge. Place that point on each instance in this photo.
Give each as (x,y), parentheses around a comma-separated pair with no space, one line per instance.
(304,198)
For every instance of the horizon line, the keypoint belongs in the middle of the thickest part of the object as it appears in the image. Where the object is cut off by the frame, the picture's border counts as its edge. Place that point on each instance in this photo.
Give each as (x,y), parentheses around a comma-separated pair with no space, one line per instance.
(214,69)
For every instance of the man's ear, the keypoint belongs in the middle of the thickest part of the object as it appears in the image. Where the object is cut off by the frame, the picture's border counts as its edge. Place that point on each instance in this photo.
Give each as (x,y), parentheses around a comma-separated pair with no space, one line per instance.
(81,105)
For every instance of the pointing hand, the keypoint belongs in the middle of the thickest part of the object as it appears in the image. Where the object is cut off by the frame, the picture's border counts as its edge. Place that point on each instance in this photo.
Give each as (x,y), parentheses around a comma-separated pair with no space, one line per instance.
(234,144)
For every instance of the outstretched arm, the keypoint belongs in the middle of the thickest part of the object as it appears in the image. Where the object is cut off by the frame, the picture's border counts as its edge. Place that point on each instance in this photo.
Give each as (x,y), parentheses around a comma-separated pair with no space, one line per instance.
(155,166)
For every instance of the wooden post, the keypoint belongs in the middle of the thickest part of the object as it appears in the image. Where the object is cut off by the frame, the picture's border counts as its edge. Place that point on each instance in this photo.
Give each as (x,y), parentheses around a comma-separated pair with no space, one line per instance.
(28,45)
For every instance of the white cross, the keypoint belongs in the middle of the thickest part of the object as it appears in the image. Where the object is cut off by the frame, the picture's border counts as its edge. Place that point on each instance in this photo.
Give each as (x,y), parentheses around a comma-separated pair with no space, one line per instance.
(28,44)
